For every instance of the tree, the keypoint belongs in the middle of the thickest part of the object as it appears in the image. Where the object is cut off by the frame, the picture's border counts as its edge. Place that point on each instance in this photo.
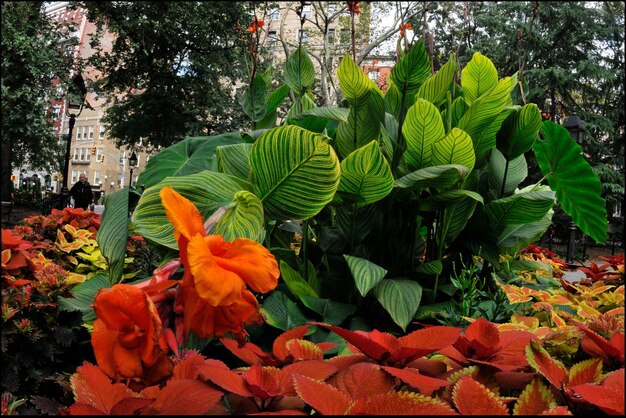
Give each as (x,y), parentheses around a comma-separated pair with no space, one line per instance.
(171,70)
(32,57)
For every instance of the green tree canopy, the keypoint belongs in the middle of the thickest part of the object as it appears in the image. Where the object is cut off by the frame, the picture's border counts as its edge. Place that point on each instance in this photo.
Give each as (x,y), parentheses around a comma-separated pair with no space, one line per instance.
(32,56)
(171,69)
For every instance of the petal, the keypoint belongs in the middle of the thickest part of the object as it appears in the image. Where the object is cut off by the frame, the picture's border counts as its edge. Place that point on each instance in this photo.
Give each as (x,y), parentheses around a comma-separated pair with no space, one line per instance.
(234,317)
(252,262)
(127,362)
(183,214)
(102,341)
(215,284)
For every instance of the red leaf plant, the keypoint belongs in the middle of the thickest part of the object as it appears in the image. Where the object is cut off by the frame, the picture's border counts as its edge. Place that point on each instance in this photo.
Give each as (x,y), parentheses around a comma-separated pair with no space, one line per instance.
(614,260)
(611,351)
(17,256)
(608,395)
(596,272)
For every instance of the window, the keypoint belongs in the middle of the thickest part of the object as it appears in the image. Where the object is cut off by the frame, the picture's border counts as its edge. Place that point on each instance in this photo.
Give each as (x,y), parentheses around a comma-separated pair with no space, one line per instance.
(96,178)
(306,10)
(91,132)
(74,176)
(56,112)
(87,154)
(374,75)
(332,8)
(274,13)
(122,157)
(102,129)
(271,37)
(304,34)
(59,91)
(331,36)
(344,36)
(75,154)
(78,133)
(99,154)
(82,154)
(138,160)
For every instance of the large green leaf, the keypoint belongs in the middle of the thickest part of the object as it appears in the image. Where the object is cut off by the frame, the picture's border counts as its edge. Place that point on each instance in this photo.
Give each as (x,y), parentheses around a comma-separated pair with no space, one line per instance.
(83,296)
(478,77)
(523,207)
(254,99)
(484,110)
(515,237)
(207,190)
(333,313)
(299,71)
(516,172)
(356,223)
(455,148)
(485,140)
(363,125)
(435,88)
(294,281)
(440,177)
(519,131)
(233,159)
(366,174)
(331,113)
(189,156)
(281,312)
(401,298)
(445,199)
(113,232)
(577,187)
(275,99)
(455,217)
(353,82)
(294,172)
(243,218)
(366,274)
(412,69)
(421,129)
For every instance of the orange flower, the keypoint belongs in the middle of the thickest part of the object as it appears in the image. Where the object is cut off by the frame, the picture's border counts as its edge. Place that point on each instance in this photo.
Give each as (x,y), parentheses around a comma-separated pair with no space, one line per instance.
(404,27)
(256,24)
(127,337)
(216,272)
(353,7)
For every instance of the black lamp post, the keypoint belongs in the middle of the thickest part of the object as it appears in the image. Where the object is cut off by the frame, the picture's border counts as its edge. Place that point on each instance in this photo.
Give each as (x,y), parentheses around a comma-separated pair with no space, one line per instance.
(75,100)
(132,163)
(577,130)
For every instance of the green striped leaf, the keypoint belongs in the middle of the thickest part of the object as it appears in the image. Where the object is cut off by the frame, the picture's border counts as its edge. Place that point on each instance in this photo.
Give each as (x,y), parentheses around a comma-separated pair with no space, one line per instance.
(254,99)
(401,298)
(365,173)
(331,113)
(356,223)
(207,190)
(525,265)
(243,220)
(282,313)
(83,295)
(435,88)
(519,131)
(363,125)
(366,274)
(516,172)
(440,177)
(454,148)
(478,77)
(516,237)
(275,99)
(188,156)
(233,159)
(521,208)
(458,109)
(353,83)
(486,139)
(393,99)
(431,268)
(333,313)
(484,110)
(113,233)
(294,172)
(412,69)
(445,199)
(577,187)
(422,128)
(455,218)
(299,71)
(295,283)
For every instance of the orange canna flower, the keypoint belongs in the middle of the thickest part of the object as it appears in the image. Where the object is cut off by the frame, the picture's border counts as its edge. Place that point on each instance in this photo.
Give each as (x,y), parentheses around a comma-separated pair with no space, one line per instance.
(404,27)
(256,24)
(213,294)
(127,337)
(353,7)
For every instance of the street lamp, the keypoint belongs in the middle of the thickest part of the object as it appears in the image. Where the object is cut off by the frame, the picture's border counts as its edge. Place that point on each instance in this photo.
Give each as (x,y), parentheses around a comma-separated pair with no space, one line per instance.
(132,163)
(577,130)
(75,100)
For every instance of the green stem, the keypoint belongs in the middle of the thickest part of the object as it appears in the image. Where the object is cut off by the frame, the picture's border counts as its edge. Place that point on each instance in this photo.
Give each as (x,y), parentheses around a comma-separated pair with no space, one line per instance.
(506,170)
(399,138)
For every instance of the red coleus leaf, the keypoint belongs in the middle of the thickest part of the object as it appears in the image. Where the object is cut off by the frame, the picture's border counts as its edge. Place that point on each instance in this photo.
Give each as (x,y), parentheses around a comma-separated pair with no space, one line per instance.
(131,406)
(614,348)
(224,377)
(543,363)
(324,398)
(342,362)
(315,369)
(535,399)
(472,398)
(609,396)
(400,403)
(93,388)
(250,353)
(186,397)
(187,367)
(362,341)
(588,371)
(482,337)
(412,377)
(279,347)
(262,381)
(362,380)
(429,367)
(304,350)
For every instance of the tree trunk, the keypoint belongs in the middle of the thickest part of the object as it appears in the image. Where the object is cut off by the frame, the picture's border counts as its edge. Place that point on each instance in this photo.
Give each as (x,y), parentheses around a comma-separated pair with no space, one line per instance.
(5,168)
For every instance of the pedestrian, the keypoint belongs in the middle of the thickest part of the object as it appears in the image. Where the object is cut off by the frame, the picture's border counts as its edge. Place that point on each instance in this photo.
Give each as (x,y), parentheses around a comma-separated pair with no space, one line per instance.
(81,192)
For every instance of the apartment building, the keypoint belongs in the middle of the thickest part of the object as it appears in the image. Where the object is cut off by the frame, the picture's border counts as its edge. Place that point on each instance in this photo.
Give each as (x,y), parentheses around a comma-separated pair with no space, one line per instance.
(92,152)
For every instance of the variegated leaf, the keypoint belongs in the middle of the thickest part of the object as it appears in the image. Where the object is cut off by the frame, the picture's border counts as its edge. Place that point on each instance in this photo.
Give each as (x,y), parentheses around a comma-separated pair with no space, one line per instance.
(421,129)
(366,274)
(478,77)
(544,364)
(455,148)
(435,88)
(243,220)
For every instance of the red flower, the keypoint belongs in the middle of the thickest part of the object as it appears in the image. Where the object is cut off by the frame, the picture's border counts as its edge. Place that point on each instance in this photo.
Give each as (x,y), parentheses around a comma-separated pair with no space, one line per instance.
(127,337)
(256,24)
(353,7)
(404,27)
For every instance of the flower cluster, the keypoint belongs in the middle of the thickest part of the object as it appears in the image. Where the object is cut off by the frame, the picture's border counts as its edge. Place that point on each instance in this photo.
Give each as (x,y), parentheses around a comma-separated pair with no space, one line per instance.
(256,24)
(403,28)
(353,7)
